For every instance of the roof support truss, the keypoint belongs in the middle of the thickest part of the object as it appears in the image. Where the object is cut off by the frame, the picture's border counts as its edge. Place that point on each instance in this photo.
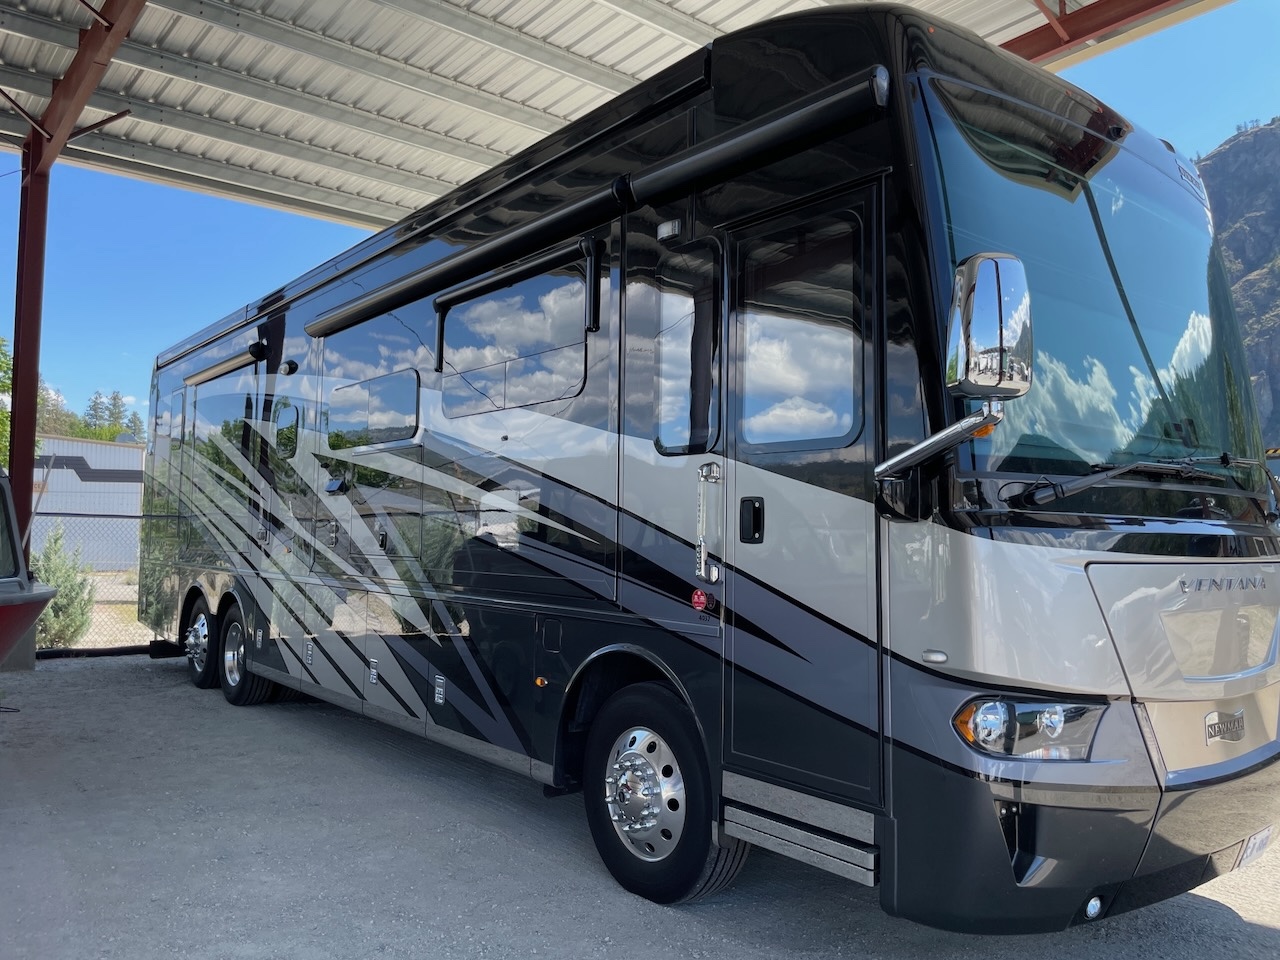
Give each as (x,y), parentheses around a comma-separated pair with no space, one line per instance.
(136,158)
(1067,33)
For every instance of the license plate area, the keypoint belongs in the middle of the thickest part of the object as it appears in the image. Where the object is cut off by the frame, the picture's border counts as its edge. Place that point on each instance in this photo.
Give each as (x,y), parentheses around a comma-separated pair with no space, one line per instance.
(1253,848)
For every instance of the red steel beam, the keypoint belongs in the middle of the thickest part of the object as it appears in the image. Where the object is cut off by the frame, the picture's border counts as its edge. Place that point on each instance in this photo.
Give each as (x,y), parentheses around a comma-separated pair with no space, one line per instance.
(1052,17)
(98,45)
(1087,23)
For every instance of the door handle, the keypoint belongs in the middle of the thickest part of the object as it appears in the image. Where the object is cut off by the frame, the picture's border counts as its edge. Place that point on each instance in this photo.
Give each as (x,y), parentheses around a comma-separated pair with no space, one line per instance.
(704,568)
(751,520)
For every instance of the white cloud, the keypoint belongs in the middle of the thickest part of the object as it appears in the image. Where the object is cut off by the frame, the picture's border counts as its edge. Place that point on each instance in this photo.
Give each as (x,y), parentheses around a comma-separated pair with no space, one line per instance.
(509,325)
(787,356)
(1194,346)
(795,418)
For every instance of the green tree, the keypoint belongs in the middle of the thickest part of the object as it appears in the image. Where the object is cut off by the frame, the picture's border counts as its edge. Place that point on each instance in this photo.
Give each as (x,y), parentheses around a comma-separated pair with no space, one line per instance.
(66,620)
(116,411)
(95,414)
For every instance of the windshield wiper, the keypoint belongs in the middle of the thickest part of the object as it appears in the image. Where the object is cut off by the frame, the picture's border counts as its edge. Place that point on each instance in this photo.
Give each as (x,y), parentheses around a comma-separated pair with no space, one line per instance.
(1045,491)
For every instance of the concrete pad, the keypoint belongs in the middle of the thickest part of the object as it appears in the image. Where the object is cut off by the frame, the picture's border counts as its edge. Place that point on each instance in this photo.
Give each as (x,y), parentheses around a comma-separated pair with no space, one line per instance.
(141,818)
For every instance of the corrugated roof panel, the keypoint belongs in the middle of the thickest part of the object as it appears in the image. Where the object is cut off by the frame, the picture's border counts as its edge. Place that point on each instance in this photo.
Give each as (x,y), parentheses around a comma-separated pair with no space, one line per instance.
(365,96)
(570,25)
(614,40)
(469,126)
(20,54)
(729,15)
(475,65)
(644,61)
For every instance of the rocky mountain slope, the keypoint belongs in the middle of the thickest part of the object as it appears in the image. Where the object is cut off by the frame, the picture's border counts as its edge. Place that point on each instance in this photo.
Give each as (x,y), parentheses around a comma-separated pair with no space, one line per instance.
(1243,180)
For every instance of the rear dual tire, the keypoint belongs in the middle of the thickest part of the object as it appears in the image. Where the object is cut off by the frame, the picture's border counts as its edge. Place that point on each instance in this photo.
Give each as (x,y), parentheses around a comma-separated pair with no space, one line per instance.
(201,639)
(239,686)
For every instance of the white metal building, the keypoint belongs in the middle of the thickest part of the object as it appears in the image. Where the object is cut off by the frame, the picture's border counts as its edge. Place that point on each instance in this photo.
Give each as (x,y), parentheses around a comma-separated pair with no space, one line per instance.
(94,489)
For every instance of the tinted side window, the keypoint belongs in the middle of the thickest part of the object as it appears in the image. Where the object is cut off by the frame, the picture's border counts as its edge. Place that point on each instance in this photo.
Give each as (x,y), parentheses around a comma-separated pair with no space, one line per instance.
(370,390)
(225,441)
(374,411)
(801,316)
(687,351)
(517,346)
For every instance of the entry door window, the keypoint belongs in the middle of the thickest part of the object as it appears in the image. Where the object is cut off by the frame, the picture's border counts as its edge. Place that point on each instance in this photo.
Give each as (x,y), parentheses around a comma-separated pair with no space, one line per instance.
(800,311)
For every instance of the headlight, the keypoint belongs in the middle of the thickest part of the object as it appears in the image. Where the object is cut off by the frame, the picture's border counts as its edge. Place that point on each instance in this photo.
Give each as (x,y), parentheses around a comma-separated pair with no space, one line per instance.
(1029,731)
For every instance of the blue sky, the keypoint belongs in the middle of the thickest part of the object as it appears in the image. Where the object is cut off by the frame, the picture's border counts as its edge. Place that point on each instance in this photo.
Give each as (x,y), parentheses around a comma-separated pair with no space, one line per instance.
(134,267)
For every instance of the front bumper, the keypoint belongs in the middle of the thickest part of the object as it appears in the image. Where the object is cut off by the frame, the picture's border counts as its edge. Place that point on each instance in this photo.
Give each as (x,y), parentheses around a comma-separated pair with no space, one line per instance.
(975,855)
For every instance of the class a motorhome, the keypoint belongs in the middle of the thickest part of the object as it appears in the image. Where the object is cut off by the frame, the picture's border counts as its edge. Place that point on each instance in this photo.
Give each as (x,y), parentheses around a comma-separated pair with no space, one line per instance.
(829,445)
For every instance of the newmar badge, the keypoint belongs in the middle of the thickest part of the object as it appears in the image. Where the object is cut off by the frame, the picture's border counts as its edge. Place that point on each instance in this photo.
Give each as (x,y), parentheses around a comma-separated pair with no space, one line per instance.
(1224,726)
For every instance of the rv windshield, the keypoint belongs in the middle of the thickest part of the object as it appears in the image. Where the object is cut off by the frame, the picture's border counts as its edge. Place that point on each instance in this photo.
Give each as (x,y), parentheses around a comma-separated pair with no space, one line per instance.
(1137,352)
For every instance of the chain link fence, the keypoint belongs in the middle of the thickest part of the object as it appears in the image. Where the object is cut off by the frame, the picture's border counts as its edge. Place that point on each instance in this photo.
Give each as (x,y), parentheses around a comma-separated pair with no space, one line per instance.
(93,561)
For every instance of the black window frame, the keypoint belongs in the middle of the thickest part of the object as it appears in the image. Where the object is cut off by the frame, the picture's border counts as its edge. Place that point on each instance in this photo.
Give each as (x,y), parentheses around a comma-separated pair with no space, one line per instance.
(858,210)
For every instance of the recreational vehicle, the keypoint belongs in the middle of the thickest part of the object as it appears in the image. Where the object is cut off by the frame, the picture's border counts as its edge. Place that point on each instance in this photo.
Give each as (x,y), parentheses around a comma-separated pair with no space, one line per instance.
(840,443)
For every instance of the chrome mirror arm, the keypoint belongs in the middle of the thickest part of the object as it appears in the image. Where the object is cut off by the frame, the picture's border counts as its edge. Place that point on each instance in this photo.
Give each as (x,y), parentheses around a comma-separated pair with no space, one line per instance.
(992,412)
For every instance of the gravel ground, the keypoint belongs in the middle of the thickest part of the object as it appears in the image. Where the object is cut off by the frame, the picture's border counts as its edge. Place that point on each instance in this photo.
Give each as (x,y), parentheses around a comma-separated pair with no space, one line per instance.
(142,818)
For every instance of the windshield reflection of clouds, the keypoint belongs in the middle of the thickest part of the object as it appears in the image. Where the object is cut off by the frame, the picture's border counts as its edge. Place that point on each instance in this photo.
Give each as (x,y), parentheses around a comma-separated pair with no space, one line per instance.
(1107,422)
(1131,358)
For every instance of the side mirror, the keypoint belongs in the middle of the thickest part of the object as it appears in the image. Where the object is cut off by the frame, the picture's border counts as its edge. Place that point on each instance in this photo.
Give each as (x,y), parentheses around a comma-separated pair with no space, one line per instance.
(988,355)
(989,342)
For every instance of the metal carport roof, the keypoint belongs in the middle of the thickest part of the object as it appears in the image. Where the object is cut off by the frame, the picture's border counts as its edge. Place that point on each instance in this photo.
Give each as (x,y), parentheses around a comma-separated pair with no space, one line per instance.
(362,111)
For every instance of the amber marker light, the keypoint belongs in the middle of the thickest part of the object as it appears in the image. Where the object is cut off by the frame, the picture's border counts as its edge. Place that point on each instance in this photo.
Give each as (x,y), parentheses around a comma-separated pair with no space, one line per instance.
(540,681)
(986,431)
(961,722)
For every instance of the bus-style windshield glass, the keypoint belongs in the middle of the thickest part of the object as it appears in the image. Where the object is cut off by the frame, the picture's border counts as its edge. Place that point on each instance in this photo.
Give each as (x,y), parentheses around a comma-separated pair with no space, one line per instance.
(1137,352)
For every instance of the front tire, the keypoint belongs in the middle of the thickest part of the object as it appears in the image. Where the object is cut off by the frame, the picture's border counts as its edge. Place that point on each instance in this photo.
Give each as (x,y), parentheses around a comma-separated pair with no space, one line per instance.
(648,799)
(239,686)
(201,641)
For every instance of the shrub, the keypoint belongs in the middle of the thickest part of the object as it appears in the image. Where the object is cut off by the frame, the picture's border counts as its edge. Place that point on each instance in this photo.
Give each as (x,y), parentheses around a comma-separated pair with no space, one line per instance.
(67,617)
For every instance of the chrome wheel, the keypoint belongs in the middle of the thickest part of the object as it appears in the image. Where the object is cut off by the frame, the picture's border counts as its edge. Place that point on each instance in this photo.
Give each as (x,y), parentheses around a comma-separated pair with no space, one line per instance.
(233,653)
(198,642)
(644,792)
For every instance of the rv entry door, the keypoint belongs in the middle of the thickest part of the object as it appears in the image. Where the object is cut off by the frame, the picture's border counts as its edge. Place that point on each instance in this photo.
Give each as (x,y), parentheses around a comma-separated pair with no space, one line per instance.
(801,688)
